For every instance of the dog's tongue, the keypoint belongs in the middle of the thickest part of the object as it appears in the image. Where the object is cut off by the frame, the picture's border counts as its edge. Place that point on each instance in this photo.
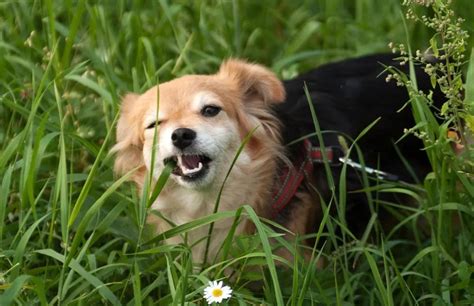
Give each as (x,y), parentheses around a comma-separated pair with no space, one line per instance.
(190,161)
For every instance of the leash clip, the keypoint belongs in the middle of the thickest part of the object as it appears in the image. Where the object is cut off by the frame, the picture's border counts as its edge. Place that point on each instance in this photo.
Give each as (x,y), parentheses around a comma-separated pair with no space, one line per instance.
(382,175)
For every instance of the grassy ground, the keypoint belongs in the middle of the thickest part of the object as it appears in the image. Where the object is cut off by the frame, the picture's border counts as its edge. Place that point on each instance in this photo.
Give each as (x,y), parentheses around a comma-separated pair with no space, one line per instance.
(70,233)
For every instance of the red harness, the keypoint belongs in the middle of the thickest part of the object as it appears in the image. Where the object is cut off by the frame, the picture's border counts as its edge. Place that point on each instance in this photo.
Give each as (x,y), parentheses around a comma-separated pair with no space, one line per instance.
(291,177)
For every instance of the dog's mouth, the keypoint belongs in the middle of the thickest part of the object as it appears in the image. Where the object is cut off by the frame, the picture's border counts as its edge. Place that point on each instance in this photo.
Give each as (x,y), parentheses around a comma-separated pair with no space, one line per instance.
(189,166)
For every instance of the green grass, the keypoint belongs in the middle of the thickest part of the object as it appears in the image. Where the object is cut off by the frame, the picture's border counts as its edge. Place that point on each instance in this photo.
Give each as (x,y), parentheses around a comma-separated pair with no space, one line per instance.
(72,233)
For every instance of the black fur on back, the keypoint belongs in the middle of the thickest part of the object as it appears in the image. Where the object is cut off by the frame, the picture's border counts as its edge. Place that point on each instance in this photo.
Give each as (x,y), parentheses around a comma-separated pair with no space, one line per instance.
(348,96)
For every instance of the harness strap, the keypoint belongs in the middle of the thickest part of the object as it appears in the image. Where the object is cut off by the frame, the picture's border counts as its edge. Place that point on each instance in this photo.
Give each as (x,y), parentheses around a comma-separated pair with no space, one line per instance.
(291,176)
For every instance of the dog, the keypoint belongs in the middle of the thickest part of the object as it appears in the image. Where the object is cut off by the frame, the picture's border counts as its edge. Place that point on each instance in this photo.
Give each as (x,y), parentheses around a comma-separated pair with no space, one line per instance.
(199,122)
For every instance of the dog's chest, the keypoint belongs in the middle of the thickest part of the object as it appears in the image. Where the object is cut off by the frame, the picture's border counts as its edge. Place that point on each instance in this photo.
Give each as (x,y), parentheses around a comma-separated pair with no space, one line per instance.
(183,207)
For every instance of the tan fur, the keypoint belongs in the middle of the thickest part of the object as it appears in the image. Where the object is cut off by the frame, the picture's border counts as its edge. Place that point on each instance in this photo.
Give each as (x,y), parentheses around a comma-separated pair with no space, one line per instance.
(129,140)
(244,92)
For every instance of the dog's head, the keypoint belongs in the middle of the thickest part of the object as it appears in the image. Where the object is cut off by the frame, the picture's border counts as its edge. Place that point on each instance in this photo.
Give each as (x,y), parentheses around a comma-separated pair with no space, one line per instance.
(197,122)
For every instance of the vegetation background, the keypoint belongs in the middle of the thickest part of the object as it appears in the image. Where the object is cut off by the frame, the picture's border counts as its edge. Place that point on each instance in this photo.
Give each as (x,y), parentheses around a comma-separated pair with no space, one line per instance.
(72,234)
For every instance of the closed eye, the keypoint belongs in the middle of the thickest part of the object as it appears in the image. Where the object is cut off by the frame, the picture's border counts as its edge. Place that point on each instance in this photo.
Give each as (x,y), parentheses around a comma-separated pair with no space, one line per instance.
(152,125)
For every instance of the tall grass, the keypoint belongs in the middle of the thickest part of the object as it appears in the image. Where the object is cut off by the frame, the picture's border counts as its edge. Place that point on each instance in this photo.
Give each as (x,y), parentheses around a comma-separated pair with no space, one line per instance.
(71,233)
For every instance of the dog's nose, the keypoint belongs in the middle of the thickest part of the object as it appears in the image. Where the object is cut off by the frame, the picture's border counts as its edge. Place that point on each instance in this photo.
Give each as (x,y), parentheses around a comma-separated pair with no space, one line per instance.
(183,137)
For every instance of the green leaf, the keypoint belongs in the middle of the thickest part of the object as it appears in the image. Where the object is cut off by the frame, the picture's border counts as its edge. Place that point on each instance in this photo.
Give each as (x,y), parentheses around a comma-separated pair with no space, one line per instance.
(444,108)
(12,148)
(464,271)
(433,80)
(469,119)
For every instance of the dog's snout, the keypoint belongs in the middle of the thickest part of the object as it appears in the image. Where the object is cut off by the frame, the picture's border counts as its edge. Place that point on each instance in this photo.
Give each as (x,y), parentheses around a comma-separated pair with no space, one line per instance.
(183,137)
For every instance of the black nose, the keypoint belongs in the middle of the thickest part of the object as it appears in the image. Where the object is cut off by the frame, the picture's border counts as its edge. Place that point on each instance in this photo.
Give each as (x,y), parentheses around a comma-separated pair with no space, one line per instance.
(183,137)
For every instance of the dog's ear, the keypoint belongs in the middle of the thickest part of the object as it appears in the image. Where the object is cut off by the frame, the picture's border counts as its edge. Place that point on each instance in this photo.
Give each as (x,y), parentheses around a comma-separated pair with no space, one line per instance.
(259,88)
(129,137)
(255,82)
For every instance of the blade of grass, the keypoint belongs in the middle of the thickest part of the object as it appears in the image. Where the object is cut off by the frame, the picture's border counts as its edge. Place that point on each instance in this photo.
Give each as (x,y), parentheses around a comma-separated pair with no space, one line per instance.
(137,285)
(385,297)
(88,184)
(8,297)
(92,211)
(186,227)
(4,196)
(268,253)
(91,279)
(21,247)
(73,29)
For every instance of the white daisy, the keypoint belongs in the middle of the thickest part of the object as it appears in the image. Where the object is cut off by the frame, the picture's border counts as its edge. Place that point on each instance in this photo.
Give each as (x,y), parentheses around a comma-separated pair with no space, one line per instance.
(215,292)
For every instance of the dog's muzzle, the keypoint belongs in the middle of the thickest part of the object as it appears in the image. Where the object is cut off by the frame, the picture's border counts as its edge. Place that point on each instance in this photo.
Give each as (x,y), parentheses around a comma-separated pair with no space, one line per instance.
(190,164)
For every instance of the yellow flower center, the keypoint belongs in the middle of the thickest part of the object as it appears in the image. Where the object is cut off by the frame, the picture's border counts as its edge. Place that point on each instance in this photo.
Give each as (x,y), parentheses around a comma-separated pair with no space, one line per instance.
(217,292)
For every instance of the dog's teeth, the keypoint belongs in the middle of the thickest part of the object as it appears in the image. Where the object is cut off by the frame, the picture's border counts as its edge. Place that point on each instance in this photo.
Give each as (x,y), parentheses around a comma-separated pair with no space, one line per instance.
(187,171)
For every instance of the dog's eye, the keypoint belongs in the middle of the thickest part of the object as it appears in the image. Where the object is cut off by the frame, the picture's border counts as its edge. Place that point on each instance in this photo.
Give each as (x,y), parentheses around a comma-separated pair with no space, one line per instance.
(210,110)
(153,125)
